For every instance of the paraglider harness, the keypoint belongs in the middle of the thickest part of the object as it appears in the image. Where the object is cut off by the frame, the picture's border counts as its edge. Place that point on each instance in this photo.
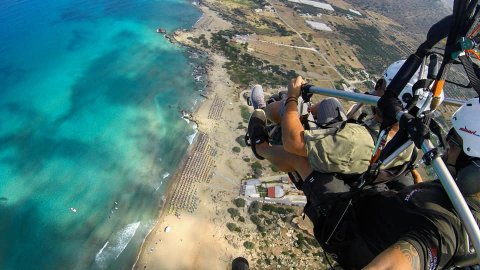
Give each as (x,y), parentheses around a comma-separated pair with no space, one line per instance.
(332,214)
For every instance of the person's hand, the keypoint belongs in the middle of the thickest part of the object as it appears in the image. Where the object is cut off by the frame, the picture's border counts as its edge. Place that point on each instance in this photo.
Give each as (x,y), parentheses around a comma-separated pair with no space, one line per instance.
(294,87)
(417,131)
(389,105)
(379,92)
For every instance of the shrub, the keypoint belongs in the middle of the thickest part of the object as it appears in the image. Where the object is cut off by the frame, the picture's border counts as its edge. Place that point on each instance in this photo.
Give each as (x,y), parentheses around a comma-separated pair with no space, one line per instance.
(241,219)
(257,168)
(248,245)
(312,242)
(255,219)
(245,113)
(241,140)
(257,165)
(273,168)
(239,202)
(236,149)
(254,207)
(279,210)
(233,212)
(231,226)
(205,43)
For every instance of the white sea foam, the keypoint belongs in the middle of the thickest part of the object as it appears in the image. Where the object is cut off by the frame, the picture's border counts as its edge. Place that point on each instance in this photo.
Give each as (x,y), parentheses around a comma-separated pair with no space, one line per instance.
(199,19)
(165,175)
(149,225)
(97,257)
(190,138)
(119,242)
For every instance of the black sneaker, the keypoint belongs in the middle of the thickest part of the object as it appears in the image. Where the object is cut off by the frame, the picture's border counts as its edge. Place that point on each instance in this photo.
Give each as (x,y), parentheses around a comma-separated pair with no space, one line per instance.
(257,132)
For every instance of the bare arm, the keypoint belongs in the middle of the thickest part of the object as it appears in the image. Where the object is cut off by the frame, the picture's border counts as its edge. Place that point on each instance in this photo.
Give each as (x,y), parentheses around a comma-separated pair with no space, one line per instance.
(353,109)
(292,129)
(401,255)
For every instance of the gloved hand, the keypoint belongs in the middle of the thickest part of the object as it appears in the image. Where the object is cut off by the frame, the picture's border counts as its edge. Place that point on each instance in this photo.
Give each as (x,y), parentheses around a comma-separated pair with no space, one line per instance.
(417,131)
(389,105)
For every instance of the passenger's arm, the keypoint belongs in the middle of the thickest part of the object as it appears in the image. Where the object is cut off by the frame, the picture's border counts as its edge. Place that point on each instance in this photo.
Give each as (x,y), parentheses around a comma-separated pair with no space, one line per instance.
(292,129)
(401,255)
(353,109)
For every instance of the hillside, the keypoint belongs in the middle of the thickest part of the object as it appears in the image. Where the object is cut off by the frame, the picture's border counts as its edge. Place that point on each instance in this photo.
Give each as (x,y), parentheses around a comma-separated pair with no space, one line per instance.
(416,16)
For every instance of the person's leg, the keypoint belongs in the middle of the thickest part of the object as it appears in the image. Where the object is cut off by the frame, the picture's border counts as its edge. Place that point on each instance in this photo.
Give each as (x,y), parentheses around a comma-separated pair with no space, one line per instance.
(283,160)
(288,162)
(257,98)
(272,111)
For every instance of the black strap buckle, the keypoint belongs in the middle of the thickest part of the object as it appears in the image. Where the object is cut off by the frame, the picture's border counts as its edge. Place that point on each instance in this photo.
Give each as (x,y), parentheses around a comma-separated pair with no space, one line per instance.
(430,156)
(369,176)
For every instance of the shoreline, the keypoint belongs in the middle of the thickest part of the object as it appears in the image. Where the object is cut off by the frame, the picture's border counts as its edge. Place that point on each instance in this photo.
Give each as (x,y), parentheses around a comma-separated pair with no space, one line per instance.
(198,228)
(206,120)
(166,197)
(171,184)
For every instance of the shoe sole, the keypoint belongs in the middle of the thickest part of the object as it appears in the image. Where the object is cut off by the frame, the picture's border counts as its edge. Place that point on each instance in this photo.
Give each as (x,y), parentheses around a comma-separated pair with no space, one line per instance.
(260,114)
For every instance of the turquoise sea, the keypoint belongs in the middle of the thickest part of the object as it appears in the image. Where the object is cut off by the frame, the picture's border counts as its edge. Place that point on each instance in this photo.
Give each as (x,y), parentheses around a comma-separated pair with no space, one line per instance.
(90,129)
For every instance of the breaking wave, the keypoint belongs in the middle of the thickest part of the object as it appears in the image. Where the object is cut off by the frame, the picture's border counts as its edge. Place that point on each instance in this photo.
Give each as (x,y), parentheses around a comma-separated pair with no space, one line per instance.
(190,138)
(115,246)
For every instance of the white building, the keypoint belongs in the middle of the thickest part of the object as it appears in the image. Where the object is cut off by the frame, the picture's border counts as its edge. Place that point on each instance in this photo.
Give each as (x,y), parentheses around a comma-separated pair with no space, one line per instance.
(275,192)
(253,182)
(250,191)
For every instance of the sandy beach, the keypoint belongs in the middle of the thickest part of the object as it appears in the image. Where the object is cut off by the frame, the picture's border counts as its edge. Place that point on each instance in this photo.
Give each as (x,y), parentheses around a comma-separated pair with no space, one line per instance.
(196,236)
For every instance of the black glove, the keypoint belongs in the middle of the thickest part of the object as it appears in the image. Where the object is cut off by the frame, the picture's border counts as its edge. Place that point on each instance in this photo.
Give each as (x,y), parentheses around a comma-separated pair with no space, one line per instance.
(417,131)
(389,105)
(306,96)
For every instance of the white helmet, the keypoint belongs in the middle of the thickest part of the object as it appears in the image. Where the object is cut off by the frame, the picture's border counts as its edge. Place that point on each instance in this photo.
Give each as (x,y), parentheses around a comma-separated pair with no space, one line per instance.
(466,124)
(406,94)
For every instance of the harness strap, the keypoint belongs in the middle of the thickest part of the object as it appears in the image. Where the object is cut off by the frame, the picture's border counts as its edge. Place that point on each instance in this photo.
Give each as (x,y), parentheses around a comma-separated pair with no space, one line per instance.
(473,72)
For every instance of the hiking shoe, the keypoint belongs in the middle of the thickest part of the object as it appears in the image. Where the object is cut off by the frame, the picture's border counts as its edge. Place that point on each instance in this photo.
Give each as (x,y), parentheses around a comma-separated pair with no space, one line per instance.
(257,98)
(257,132)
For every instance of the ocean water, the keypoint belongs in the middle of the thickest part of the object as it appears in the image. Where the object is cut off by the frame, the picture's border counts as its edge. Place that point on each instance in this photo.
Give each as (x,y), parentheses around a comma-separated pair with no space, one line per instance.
(90,129)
